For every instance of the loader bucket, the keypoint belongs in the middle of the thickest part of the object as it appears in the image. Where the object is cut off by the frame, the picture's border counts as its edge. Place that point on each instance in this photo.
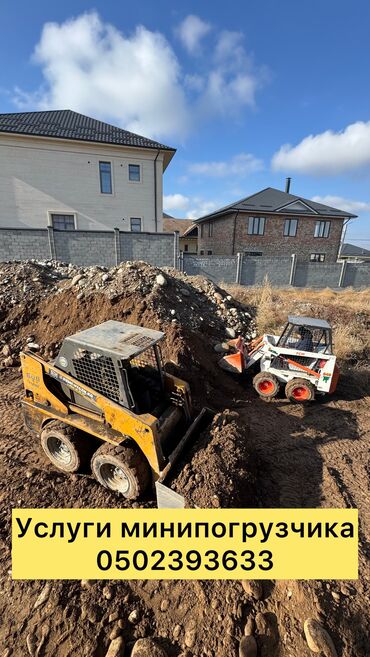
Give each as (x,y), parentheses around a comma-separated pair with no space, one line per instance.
(166,497)
(233,363)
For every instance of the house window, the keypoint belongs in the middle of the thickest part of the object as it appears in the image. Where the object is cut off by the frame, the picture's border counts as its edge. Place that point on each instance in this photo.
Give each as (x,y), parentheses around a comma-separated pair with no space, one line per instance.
(256,225)
(209,252)
(290,227)
(317,257)
(322,229)
(134,172)
(63,221)
(186,247)
(202,230)
(201,252)
(135,224)
(105,172)
(253,253)
(210,229)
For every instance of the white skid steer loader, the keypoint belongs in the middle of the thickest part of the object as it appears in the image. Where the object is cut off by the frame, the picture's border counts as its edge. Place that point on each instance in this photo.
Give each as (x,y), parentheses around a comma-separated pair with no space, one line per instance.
(301,359)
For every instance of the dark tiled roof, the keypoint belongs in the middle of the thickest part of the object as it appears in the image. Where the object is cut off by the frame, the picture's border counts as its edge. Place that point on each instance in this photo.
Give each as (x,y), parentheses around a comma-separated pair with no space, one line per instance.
(273,200)
(65,124)
(352,250)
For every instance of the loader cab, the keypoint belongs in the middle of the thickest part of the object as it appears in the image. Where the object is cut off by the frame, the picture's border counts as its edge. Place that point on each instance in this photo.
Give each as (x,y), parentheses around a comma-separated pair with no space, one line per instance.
(307,334)
(121,361)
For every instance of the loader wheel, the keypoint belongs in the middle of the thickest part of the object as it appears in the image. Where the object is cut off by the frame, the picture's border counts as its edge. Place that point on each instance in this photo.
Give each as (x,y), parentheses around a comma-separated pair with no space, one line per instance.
(299,390)
(266,385)
(121,468)
(64,446)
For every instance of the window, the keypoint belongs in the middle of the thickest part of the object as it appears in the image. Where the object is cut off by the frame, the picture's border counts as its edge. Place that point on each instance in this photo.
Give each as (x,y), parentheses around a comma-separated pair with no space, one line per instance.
(202,230)
(256,225)
(290,227)
(209,252)
(63,221)
(105,171)
(134,172)
(135,224)
(210,229)
(186,247)
(322,229)
(201,252)
(253,253)
(317,257)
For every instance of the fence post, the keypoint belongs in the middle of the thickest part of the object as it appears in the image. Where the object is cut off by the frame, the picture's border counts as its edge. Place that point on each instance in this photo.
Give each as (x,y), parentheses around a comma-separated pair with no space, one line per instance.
(292,269)
(53,252)
(117,246)
(239,267)
(176,251)
(342,273)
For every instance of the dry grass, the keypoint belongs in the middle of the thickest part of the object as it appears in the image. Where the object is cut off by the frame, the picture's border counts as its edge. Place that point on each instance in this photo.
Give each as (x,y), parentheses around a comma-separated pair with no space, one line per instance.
(348,311)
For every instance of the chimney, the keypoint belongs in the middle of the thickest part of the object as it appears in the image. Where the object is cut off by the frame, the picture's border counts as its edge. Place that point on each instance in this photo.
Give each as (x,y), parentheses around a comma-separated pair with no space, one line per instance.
(287,185)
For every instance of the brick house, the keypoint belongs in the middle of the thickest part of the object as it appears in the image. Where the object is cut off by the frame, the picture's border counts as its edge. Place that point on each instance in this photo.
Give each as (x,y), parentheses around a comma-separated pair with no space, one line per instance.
(273,223)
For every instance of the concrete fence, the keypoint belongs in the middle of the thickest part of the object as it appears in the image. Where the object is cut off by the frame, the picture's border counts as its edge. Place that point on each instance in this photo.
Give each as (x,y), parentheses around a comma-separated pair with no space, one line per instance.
(89,247)
(109,248)
(281,272)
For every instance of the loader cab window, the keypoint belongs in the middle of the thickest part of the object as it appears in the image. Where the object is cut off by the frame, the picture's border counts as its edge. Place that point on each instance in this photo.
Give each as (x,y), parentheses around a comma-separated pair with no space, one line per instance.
(306,338)
(145,380)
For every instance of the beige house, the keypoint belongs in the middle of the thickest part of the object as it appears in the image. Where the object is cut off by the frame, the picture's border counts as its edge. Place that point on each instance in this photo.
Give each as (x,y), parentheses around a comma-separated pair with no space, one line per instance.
(67,170)
(188,232)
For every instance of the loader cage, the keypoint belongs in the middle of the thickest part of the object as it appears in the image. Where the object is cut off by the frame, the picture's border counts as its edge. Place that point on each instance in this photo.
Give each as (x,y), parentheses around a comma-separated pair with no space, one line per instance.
(120,361)
(306,334)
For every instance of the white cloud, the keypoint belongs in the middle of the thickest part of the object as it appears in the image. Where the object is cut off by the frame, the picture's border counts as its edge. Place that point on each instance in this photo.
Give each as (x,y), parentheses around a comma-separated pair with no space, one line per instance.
(191,31)
(188,207)
(327,153)
(175,202)
(343,203)
(136,80)
(91,67)
(239,165)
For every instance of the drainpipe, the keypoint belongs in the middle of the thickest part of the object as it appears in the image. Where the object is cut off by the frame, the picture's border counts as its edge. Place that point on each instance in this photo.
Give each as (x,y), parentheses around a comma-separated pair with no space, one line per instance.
(343,236)
(155,193)
(234,231)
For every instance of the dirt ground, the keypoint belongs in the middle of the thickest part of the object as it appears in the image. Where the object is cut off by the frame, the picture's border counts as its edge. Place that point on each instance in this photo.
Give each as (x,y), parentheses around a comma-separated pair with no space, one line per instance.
(257,454)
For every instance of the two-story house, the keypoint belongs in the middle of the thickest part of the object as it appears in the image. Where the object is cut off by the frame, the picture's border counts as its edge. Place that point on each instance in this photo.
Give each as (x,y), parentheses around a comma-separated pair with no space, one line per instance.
(273,223)
(69,171)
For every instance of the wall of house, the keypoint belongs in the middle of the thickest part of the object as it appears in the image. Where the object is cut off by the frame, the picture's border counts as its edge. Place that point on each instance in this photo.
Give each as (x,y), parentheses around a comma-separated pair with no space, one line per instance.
(230,235)
(39,176)
(189,244)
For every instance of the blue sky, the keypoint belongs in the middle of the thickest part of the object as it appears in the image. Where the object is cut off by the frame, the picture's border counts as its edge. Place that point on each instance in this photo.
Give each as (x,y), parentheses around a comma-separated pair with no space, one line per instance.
(248,93)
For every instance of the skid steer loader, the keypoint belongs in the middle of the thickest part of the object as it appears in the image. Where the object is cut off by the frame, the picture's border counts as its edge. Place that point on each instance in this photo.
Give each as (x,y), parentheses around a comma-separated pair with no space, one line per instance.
(107,403)
(301,359)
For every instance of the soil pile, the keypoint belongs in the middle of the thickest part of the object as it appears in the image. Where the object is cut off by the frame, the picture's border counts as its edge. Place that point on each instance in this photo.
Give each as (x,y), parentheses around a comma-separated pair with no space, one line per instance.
(219,468)
(42,303)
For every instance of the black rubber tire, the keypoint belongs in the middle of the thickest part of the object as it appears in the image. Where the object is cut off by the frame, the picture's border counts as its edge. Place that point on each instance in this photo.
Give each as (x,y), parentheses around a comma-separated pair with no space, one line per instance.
(292,387)
(65,446)
(273,388)
(135,472)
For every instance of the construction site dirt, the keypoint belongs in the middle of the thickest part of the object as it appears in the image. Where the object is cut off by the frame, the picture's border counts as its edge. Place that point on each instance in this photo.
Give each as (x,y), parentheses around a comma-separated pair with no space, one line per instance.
(255,454)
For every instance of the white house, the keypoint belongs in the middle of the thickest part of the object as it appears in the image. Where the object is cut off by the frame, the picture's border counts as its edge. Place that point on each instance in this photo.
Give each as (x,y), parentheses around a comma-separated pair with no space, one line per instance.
(67,170)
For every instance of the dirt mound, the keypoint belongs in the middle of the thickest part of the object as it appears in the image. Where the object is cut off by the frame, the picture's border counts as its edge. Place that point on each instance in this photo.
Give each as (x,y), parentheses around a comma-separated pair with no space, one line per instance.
(54,300)
(220,470)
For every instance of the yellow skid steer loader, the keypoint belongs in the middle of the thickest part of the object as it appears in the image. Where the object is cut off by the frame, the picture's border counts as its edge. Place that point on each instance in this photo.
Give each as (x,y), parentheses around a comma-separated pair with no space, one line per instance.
(107,403)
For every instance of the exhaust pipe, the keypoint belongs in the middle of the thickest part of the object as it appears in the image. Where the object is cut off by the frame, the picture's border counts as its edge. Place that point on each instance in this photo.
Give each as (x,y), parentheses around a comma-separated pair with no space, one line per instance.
(287,185)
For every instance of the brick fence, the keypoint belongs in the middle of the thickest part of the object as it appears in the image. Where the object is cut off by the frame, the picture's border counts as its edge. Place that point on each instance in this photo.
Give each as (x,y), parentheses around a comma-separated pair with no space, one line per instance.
(109,248)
